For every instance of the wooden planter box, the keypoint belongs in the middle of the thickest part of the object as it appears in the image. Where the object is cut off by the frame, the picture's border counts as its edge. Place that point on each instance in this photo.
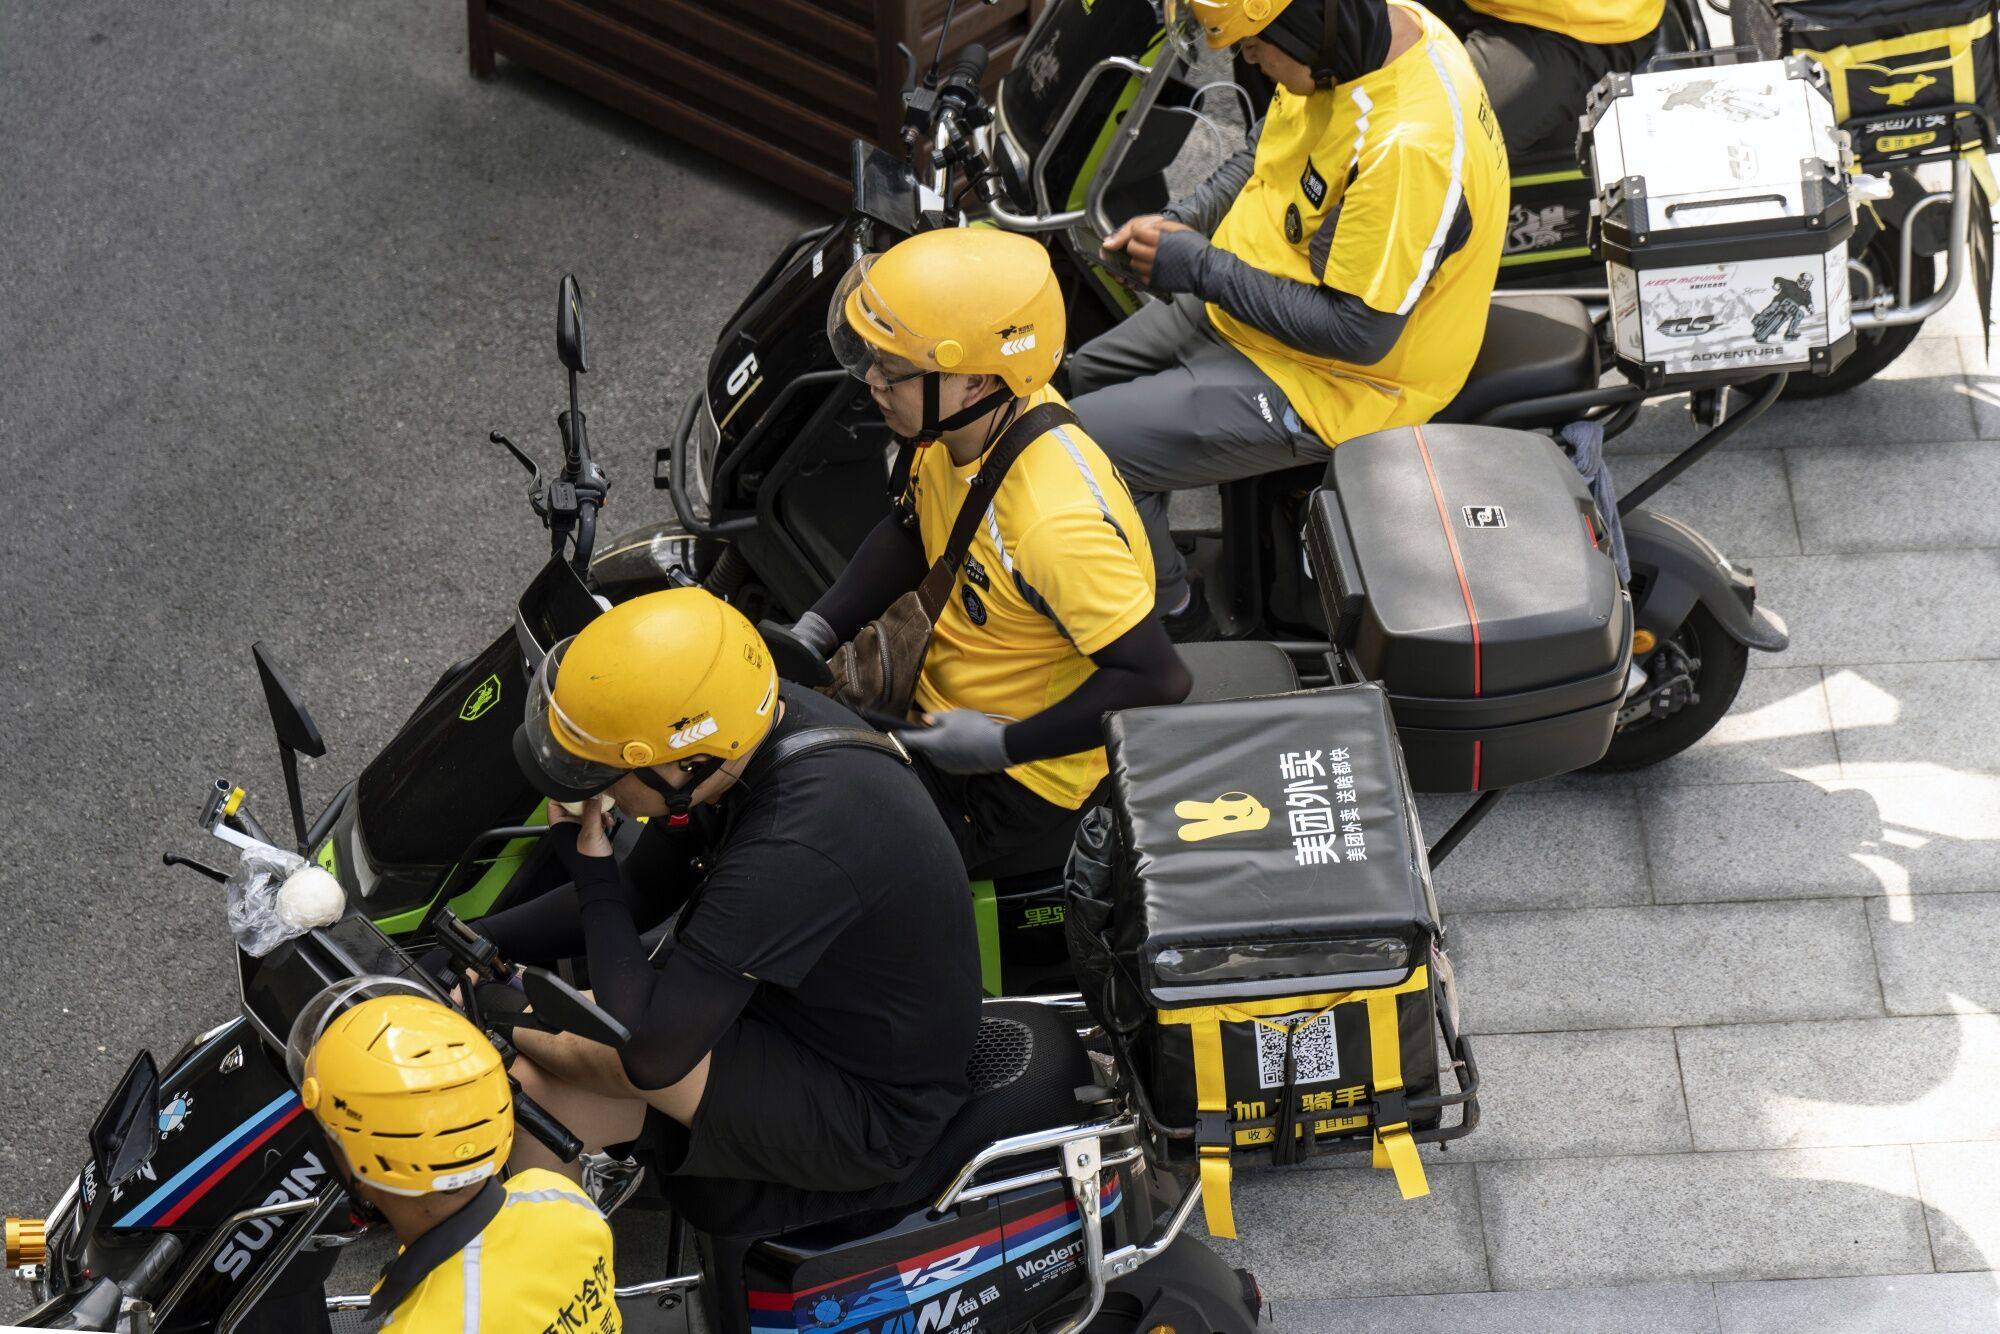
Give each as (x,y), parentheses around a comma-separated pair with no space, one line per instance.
(780,87)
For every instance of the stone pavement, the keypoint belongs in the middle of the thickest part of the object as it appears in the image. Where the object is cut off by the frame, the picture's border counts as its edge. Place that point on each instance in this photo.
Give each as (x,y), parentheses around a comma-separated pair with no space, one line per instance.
(1738,1017)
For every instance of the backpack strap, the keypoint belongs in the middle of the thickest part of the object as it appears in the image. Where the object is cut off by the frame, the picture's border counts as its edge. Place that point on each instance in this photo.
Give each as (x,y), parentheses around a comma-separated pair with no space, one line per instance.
(935,591)
(809,740)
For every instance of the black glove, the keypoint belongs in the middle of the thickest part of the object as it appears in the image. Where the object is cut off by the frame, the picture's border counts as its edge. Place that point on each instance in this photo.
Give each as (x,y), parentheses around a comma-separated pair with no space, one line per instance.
(503,1008)
(960,741)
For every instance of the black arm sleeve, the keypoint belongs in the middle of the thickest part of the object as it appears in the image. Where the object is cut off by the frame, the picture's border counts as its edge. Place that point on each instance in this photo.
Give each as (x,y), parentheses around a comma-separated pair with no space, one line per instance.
(1139,667)
(1205,208)
(547,928)
(677,1012)
(889,563)
(1317,320)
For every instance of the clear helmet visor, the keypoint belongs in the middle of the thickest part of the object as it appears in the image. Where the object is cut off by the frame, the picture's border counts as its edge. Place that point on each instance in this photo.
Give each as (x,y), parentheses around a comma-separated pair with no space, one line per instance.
(543,727)
(857,301)
(334,1000)
(1185,37)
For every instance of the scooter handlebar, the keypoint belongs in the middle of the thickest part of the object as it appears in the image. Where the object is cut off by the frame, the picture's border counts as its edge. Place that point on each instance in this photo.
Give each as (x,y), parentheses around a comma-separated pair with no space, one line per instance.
(556,1137)
(967,71)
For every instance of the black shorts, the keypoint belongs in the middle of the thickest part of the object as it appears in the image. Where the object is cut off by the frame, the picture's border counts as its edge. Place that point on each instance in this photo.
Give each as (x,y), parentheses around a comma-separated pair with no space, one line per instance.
(995,820)
(776,1122)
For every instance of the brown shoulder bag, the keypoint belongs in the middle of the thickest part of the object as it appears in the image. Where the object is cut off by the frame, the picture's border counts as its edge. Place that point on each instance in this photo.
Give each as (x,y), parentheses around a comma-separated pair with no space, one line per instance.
(877,670)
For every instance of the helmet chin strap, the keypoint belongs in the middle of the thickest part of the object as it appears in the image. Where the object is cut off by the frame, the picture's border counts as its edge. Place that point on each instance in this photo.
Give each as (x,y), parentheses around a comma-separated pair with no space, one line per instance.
(679,799)
(966,415)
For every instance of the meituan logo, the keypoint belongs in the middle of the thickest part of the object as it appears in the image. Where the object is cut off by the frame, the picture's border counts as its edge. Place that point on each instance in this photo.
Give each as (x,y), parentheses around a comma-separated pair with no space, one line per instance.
(1230,813)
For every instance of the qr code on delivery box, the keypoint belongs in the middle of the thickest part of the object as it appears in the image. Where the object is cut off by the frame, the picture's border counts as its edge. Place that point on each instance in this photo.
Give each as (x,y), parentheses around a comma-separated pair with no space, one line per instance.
(1315,1050)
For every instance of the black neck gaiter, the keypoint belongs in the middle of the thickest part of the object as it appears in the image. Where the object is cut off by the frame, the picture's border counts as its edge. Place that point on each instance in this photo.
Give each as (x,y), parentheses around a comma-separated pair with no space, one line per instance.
(1360,36)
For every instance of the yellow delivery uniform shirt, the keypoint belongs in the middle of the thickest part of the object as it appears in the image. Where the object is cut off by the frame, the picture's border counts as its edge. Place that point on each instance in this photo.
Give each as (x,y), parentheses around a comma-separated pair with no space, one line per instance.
(1603,22)
(1391,188)
(542,1261)
(1058,569)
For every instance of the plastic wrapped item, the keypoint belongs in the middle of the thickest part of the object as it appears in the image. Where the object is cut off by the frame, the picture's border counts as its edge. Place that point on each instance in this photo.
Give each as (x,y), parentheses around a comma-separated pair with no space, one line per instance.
(253,900)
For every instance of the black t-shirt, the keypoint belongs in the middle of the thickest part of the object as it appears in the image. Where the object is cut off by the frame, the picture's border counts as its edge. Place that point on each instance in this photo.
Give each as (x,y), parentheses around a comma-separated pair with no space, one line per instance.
(836,886)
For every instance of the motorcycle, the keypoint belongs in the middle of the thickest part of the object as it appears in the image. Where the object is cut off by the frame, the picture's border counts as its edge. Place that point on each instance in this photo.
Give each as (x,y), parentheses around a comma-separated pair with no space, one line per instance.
(1893,257)
(208,1201)
(776,469)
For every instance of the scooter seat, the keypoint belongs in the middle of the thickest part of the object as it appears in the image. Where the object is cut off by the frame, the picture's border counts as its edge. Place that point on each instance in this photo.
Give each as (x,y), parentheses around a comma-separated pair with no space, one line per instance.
(1535,346)
(1237,669)
(1026,1067)
(1226,669)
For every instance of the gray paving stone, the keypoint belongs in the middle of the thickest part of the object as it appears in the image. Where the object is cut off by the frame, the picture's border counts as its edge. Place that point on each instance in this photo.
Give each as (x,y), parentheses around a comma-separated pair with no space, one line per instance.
(1938,955)
(1657,1308)
(1737,499)
(1528,972)
(1391,1245)
(1934,1303)
(1939,713)
(1800,1213)
(1961,1193)
(1885,607)
(1895,496)
(1923,832)
(1778,723)
(1577,1095)
(1842,1082)
(1922,395)
(1982,386)
(1542,850)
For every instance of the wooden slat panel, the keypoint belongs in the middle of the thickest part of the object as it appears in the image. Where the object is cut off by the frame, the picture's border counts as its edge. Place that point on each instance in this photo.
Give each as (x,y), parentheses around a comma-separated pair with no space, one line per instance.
(752,152)
(803,24)
(747,52)
(778,86)
(680,75)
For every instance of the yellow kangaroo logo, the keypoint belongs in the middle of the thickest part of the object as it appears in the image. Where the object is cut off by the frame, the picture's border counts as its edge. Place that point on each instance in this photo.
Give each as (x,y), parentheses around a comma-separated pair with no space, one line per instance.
(1899,94)
(1230,813)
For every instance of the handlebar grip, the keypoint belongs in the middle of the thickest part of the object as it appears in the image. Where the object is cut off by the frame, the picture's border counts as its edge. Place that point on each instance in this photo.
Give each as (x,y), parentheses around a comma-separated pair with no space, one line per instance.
(144,1281)
(969,68)
(556,1137)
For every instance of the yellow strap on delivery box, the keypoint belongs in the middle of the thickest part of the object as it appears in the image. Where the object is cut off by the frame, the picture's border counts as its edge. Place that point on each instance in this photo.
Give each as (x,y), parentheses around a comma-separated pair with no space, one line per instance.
(1393,1146)
(1871,60)
(1394,1149)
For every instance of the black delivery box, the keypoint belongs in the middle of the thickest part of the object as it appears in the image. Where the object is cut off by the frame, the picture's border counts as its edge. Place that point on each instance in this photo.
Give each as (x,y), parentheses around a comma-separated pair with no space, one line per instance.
(1272,932)
(1466,568)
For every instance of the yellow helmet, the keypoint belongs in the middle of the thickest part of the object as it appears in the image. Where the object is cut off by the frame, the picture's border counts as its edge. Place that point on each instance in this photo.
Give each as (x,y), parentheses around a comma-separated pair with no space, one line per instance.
(1219,23)
(964,300)
(675,675)
(407,1090)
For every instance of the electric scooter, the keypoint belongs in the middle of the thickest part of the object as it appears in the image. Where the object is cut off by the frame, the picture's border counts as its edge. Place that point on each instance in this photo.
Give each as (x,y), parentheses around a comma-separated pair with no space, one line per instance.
(207,1201)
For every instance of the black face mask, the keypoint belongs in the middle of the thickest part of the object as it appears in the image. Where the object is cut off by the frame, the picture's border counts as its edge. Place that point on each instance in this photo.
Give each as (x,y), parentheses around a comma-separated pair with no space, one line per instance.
(1338,40)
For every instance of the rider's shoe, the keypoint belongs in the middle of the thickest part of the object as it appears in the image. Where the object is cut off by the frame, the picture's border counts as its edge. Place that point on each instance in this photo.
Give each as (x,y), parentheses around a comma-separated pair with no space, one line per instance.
(1193,623)
(610,1181)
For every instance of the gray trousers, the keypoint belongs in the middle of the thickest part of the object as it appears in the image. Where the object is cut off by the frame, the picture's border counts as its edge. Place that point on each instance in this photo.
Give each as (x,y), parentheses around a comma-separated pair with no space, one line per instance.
(1175,407)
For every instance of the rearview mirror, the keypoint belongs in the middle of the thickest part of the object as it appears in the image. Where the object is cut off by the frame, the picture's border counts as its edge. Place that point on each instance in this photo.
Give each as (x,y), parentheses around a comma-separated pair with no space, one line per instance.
(127,1130)
(569,326)
(295,727)
(561,1008)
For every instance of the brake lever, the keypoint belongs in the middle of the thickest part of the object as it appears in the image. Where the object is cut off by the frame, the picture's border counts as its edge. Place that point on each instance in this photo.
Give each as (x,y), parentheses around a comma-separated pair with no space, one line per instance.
(175,859)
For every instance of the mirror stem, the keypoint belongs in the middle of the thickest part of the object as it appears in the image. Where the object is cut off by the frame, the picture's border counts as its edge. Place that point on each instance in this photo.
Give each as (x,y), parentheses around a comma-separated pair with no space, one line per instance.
(290,760)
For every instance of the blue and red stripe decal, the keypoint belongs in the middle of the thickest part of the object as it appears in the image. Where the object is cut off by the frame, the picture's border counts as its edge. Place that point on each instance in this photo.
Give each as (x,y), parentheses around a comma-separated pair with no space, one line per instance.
(862,1299)
(178,1193)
